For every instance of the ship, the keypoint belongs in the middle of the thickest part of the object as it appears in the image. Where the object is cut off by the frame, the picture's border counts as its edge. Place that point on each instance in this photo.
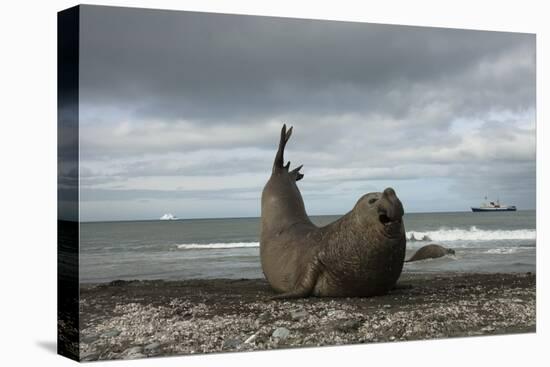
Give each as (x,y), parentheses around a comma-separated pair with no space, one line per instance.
(494,206)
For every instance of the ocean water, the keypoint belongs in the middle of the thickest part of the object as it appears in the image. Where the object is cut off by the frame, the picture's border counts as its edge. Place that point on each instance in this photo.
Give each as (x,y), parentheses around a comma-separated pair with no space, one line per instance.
(229,248)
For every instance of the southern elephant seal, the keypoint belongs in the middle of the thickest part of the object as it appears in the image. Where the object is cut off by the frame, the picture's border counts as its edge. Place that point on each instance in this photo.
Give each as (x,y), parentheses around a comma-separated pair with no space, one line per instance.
(360,254)
(431,251)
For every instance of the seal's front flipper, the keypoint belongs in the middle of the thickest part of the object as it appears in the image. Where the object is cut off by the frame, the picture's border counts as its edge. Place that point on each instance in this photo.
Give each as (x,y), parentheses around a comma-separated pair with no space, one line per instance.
(297,293)
(401,286)
(304,288)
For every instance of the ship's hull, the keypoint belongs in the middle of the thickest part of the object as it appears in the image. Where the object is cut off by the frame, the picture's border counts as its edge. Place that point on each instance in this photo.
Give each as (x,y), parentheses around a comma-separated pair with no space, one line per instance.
(506,209)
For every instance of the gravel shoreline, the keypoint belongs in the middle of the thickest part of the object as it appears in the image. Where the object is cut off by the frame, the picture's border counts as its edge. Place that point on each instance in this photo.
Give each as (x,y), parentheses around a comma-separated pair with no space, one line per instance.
(137,319)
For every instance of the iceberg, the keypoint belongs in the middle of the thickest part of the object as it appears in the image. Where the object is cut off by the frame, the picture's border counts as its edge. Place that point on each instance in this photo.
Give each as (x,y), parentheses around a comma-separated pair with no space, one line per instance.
(168,216)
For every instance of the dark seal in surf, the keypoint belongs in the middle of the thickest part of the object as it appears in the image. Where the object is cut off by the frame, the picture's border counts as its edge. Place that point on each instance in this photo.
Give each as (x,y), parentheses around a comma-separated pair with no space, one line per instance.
(360,254)
(431,251)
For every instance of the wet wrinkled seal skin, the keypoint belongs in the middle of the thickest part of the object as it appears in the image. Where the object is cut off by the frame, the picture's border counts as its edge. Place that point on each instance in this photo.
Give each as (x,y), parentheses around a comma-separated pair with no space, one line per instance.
(431,251)
(361,254)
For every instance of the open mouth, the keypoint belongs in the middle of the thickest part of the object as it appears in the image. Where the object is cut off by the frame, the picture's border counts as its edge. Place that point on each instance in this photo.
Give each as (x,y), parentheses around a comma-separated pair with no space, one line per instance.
(387,221)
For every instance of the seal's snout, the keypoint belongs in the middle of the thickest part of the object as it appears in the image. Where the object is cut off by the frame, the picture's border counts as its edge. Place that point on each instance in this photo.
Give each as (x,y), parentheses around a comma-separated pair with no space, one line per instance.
(389,192)
(390,209)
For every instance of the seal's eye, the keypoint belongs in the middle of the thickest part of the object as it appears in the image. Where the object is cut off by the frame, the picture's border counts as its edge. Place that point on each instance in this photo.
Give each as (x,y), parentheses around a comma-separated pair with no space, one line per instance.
(372,201)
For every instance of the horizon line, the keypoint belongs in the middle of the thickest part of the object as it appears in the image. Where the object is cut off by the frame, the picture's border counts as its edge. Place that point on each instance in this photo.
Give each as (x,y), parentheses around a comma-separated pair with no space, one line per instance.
(252,217)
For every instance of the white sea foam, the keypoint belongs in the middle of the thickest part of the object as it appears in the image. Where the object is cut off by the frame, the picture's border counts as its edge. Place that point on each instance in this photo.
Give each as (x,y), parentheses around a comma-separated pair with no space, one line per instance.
(474,234)
(440,235)
(205,246)
(502,251)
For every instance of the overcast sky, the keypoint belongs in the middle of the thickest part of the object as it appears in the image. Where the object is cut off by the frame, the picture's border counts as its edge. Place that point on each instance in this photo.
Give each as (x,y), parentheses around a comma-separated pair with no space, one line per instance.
(180,113)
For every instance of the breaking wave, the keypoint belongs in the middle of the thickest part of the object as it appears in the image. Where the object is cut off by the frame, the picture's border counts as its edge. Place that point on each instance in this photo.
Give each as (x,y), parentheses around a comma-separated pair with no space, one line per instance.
(440,235)
(205,246)
(471,234)
(502,251)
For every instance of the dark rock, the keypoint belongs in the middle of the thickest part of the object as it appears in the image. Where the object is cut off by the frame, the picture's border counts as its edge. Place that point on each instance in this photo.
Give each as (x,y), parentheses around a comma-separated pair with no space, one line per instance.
(118,283)
(346,326)
(261,339)
(231,343)
(262,318)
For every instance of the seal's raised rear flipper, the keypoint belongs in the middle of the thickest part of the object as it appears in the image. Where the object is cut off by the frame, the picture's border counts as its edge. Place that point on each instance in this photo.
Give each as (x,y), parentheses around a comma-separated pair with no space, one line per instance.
(279,160)
(278,164)
(296,173)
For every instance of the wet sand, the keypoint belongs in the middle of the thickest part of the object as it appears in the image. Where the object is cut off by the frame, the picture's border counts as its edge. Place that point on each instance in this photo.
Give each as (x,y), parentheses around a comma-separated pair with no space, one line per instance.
(137,319)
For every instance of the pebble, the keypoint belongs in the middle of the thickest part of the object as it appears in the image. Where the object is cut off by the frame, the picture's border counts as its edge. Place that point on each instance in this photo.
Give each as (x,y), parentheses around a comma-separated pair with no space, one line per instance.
(347,325)
(133,351)
(111,333)
(337,314)
(150,348)
(231,343)
(90,356)
(87,339)
(264,316)
(298,315)
(136,356)
(281,333)
(250,339)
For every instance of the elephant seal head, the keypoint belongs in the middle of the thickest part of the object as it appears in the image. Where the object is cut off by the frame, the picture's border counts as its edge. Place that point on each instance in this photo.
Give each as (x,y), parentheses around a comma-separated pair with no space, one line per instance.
(383,211)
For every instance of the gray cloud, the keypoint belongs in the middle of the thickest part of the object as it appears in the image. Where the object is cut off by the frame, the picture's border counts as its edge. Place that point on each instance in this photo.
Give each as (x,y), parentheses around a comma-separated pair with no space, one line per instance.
(209,66)
(175,99)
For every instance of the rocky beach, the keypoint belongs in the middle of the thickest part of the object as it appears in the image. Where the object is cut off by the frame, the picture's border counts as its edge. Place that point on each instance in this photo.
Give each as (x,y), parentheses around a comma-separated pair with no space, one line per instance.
(137,319)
